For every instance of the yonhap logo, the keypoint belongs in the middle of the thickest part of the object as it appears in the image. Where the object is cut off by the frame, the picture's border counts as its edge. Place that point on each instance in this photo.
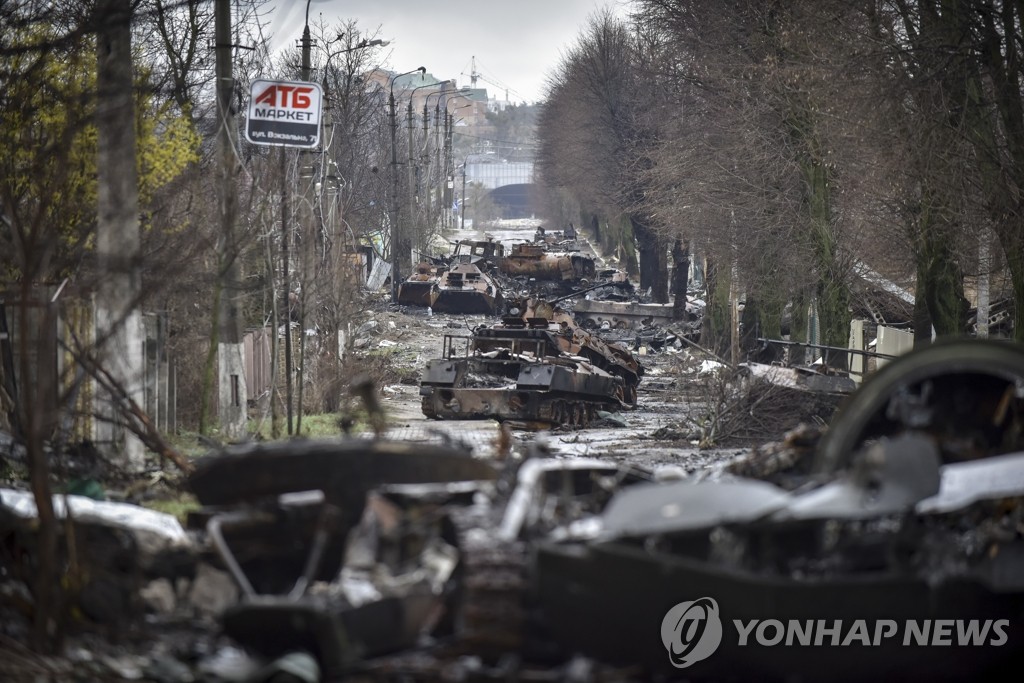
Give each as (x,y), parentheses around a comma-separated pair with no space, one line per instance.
(691,631)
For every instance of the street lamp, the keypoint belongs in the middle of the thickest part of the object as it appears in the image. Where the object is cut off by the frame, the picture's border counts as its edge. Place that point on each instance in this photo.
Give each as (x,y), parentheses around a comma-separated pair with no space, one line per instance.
(363,44)
(437,168)
(412,170)
(394,183)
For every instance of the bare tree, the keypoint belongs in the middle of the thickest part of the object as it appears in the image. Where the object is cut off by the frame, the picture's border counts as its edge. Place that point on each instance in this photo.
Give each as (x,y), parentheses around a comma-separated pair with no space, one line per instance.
(596,135)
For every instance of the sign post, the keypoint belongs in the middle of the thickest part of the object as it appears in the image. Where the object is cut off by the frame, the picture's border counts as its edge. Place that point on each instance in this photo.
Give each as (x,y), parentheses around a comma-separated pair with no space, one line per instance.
(284,113)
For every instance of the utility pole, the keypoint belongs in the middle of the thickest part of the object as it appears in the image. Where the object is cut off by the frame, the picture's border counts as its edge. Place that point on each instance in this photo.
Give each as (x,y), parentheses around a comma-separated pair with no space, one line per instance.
(449,168)
(287,287)
(462,211)
(306,174)
(441,180)
(428,224)
(394,197)
(395,207)
(413,232)
(230,353)
(118,250)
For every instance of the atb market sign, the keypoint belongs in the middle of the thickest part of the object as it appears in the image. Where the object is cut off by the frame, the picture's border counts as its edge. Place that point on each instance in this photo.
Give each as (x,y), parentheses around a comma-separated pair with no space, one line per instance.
(284,113)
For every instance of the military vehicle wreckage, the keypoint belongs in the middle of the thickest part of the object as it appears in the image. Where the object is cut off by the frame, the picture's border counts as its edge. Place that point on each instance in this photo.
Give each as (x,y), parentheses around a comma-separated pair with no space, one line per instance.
(895,556)
(890,548)
(543,262)
(536,366)
(461,283)
(901,530)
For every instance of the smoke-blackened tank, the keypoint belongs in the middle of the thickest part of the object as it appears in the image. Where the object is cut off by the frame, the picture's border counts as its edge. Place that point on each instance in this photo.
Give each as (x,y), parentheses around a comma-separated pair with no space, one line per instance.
(459,283)
(543,262)
(535,366)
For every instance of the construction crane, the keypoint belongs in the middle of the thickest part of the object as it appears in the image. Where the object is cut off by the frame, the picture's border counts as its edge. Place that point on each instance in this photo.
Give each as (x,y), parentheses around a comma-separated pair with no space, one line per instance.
(475,75)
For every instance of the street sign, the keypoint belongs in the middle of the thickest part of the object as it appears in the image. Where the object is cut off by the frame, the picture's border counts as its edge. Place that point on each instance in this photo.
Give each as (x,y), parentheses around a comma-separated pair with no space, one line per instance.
(284,113)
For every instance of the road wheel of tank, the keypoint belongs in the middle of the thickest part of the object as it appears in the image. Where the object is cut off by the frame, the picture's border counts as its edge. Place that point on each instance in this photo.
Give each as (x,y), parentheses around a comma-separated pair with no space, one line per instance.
(585,415)
(577,415)
(958,391)
(565,413)
(427,406)
(557,416)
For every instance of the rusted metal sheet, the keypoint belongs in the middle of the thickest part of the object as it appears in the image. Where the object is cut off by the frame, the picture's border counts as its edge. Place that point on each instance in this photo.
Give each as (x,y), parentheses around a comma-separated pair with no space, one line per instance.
(488,251)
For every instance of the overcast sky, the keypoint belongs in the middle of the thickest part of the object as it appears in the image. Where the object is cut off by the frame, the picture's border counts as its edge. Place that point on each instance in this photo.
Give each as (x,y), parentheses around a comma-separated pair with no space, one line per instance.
(516,42)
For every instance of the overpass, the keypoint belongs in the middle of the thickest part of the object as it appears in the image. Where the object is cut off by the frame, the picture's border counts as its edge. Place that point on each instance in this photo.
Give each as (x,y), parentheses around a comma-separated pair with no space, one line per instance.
(511,183)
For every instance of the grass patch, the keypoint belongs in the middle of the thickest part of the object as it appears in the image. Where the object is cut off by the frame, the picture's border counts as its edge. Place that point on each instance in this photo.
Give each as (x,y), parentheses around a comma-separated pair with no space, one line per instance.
(313,426)
(179,506)
(187,443)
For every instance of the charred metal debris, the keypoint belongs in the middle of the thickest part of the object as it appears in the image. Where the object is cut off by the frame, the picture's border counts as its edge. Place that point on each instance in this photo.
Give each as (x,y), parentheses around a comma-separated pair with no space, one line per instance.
(534,367)
(565,349)
(377,560)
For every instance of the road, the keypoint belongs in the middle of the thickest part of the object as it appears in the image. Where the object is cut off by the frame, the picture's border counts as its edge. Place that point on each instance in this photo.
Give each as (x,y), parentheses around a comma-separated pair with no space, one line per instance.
(654,433)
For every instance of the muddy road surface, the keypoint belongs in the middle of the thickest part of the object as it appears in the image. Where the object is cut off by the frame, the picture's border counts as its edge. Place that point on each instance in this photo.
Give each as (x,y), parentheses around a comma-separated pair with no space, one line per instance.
(657,432)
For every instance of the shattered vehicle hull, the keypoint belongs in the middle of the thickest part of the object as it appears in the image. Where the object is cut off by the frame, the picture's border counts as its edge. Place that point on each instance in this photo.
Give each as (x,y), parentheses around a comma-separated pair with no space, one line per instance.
(581,589)
(900,564)
(466,289)
(291,596)
(538,262)
(899,553)
(537,368)
(618,315)
(418,288)
(542,392)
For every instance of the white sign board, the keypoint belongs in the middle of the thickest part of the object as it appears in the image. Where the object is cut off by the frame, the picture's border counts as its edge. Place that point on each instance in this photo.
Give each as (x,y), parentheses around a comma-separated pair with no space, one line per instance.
(284,113)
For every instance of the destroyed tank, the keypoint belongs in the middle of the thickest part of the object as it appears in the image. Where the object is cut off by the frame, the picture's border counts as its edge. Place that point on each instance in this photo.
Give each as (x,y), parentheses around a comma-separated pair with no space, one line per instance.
(545,262)
(418,287)
(460,283)
(535,366)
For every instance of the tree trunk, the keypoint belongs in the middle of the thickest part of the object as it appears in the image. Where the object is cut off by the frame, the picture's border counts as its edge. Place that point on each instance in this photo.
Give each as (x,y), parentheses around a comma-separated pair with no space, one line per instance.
(1012,240)
(715,332)
(653,261)
(922,318)
(832,289)
(680,277)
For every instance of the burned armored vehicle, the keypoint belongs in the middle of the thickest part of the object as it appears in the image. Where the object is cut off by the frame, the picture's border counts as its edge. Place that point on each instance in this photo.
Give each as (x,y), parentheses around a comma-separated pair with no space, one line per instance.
(419,286)
(535,366)
(465,288)
(892,543)
(460,283)
(469,286)
(543,262)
